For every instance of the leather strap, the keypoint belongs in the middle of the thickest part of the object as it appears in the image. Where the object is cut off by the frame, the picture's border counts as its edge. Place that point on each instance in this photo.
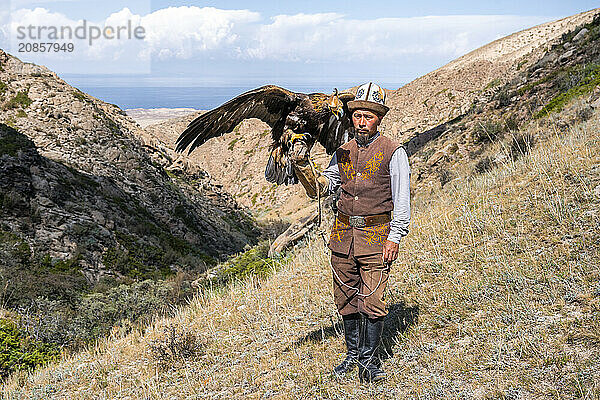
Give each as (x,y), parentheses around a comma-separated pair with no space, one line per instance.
(364,221)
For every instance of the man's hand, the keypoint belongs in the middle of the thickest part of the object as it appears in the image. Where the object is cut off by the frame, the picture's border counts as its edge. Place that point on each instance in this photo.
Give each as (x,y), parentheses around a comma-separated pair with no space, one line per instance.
(390,252)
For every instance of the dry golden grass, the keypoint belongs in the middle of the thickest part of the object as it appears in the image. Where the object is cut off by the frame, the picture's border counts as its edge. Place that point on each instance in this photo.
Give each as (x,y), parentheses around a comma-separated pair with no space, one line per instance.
(496,295)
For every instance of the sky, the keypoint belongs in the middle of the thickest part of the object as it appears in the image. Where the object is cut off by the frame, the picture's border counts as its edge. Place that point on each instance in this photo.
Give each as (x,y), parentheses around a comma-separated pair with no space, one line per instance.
(241,43)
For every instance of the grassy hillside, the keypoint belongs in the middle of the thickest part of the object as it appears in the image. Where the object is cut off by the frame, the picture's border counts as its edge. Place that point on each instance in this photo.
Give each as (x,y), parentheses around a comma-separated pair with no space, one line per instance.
(496,295)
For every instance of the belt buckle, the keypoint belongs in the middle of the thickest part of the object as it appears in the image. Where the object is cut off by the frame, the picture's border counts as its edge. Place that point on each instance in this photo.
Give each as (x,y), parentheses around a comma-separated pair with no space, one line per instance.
(357,221)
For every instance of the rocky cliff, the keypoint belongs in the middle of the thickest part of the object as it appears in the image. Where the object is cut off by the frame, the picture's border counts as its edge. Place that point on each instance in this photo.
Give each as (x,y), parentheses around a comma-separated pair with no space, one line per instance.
(489,133)
(237,161)
(79,191)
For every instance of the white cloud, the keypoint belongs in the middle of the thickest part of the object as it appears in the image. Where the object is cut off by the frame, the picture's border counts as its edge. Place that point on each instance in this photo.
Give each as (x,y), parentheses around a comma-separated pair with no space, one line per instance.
(190,32)
(181,32)
(4,20)
(333,37)
(184,32)
(38,16)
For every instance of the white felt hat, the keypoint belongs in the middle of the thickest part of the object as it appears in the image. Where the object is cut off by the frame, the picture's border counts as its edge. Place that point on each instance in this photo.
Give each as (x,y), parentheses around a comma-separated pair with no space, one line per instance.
(369,97)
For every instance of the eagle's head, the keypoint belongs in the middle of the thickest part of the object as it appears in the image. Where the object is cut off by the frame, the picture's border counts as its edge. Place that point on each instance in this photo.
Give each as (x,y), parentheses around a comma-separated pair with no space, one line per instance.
(336,106)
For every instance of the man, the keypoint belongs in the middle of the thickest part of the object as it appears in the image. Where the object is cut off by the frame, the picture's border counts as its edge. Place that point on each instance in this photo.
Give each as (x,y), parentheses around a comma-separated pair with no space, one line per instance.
(374,176)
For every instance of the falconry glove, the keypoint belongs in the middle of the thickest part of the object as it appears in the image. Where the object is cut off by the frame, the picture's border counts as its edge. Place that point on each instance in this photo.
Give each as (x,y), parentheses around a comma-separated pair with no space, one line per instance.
(308,177)
(298,145)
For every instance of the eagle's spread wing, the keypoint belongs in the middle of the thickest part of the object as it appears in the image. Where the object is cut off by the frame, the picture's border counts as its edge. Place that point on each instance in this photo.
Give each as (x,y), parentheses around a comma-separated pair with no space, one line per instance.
(270,103)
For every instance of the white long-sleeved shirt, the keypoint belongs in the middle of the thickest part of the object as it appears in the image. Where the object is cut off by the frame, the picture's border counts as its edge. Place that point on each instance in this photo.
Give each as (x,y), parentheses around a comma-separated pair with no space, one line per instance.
(400,183)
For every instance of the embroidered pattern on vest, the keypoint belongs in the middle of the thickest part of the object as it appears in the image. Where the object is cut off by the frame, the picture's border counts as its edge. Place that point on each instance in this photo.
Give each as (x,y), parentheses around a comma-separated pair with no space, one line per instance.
(370,169)
(347,167)
(376,234)
(338,230)
(372,166)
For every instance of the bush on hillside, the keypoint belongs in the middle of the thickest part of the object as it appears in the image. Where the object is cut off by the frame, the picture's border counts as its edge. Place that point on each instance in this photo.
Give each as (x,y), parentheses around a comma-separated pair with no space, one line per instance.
(484,165)
(445,176)
(20,352)
(96,314)
(176,345)
(503,97)
(254,261)
(487,132)
(20,100)
(512,124)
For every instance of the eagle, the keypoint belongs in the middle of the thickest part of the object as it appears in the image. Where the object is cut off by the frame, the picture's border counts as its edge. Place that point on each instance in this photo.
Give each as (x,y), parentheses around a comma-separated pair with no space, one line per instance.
(314,117)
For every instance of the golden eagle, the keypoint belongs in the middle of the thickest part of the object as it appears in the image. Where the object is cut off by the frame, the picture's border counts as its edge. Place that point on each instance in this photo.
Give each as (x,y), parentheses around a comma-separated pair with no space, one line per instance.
(325,118)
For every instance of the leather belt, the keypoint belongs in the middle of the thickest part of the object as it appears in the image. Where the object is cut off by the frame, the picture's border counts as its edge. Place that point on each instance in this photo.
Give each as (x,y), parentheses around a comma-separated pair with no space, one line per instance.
(358,221)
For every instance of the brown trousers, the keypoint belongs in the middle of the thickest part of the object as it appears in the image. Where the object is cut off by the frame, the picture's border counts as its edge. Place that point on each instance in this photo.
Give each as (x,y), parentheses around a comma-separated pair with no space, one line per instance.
(367,274)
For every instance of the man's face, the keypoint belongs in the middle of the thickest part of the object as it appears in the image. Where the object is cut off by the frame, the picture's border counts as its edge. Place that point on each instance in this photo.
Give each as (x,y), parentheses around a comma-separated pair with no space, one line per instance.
(365,124)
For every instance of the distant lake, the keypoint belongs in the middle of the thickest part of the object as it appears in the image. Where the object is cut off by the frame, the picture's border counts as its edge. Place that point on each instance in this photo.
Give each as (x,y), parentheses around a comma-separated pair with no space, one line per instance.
(201,98)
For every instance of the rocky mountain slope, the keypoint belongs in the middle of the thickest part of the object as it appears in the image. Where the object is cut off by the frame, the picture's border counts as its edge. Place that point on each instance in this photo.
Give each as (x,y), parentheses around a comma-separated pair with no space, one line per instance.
(418,113)
(496,295)
(449,91)
(489,133)
(80,194)
(145,117)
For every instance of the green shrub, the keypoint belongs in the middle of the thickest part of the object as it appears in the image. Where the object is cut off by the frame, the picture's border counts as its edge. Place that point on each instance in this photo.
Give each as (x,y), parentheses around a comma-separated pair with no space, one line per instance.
(590,80)
(487,132)
(19,351)
(521,63)
(231,144)
(95,314)
(493,84)
(139,260)
(254,261)
(79,95)
(545,79)
(21,100)
(48,264)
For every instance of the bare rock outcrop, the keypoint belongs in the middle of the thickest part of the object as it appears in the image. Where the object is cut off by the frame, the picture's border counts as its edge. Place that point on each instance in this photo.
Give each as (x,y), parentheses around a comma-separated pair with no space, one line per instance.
(77,183)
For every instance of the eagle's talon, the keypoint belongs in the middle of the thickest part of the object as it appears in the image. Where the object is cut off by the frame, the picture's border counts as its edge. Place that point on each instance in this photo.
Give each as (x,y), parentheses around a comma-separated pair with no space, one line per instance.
(304,137)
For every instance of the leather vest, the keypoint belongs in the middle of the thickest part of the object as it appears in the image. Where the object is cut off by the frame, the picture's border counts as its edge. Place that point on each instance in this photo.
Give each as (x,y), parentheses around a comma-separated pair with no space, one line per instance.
(365,190)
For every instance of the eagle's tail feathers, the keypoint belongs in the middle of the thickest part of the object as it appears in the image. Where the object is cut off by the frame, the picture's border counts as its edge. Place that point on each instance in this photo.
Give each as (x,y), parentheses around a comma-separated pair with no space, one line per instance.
(278,173)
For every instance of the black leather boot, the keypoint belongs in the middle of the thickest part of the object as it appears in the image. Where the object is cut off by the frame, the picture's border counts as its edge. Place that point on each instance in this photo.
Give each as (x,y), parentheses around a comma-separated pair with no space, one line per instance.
(351,332)
(369,364)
